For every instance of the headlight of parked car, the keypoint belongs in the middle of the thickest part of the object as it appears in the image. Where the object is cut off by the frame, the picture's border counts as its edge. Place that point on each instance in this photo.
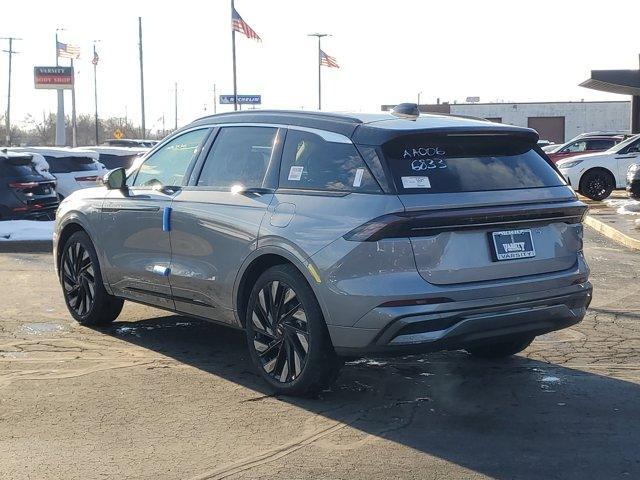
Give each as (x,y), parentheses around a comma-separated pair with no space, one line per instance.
(569,164)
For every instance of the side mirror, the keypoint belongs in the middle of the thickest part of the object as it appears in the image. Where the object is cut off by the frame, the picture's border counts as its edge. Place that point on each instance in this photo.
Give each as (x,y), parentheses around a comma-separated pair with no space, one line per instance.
(115,179)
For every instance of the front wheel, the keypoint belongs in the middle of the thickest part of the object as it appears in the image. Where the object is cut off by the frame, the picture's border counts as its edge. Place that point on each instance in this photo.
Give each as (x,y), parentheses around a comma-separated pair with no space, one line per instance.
(84,293)
(501,349)
(597,184)
(287,336)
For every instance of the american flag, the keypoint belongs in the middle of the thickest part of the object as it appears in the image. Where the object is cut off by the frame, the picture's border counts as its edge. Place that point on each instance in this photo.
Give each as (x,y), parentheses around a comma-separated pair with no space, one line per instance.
(96,58)
(239,25)
(328,61)
(66,50)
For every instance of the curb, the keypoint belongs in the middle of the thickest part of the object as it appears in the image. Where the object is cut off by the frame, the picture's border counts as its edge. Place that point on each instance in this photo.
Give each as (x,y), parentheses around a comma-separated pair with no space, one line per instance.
(610,232)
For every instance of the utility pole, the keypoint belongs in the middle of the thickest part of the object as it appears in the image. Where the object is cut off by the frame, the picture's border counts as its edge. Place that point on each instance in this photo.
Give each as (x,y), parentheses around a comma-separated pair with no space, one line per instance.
(175,104)
(319,35)
(233,54)
(144,130)
(61,136)
(11,51)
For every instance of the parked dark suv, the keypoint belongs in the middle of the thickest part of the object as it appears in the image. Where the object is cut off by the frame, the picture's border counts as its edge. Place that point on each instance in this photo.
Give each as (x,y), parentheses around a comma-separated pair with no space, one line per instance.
(327,236)
(25,193)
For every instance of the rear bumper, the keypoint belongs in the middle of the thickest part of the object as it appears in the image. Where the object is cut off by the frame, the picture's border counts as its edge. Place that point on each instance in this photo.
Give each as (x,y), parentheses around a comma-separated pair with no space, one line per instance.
(455,325)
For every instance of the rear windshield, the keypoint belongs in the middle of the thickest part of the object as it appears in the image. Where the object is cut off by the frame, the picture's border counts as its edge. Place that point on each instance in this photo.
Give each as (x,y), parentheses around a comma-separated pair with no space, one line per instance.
(16,167)
(70,164)
(447,164)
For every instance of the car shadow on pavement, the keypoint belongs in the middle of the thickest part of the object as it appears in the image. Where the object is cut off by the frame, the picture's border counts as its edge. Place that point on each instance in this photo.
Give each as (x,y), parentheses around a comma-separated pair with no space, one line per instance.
(515,419)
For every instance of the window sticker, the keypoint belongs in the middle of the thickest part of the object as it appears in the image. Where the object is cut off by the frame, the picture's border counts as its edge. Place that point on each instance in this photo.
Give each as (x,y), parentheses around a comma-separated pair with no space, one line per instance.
(357,181)
(295,173)
(416,182)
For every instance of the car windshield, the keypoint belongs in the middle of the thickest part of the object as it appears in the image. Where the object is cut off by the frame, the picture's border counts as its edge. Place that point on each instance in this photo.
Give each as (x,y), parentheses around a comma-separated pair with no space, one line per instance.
(622,145)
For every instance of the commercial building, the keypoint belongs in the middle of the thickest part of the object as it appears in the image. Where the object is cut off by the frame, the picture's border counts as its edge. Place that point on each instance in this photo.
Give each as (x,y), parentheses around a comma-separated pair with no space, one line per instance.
(554,121)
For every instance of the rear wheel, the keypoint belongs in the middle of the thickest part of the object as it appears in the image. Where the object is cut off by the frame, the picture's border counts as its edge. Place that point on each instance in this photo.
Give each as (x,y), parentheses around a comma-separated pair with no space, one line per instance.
(597,184)
(287,336)
(84,293)
(501,349)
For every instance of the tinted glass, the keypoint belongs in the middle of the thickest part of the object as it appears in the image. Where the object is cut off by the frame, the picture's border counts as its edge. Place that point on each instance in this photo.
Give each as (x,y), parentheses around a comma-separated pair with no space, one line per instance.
(16,167)
(441,164)
(168,165)
(600,144)
(309,162)
(70,164)
(239,156)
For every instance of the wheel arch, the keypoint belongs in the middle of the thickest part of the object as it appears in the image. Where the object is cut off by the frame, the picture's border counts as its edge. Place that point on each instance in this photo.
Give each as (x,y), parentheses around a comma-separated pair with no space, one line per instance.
(257,263)
(595,169)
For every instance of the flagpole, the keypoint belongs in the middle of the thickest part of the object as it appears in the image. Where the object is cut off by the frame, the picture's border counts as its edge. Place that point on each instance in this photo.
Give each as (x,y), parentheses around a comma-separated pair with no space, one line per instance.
(233,51)
(74,125)
(95,90)
(60,131)
(319,35)
(144,130)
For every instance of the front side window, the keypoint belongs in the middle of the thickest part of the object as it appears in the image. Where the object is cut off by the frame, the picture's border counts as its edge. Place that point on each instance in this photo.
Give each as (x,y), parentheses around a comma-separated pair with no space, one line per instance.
(580,146)
(450,164)
(167,166)
(240,156)
(309,162)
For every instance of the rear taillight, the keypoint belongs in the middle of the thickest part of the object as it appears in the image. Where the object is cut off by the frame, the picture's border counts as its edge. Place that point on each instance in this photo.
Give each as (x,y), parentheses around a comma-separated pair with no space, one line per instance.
(433,222)
(93,178)
(23,185)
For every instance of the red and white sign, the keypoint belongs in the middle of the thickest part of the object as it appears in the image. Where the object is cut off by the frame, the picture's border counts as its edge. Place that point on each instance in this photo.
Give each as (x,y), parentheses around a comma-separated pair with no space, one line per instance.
(53,77)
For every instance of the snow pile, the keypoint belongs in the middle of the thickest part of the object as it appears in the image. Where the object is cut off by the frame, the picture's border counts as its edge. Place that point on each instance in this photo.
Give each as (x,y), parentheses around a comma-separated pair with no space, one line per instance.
(25,230)
(40,165)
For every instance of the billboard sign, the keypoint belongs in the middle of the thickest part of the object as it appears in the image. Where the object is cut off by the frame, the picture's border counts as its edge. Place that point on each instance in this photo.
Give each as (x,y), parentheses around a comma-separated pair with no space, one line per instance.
(53,77)
(242,99)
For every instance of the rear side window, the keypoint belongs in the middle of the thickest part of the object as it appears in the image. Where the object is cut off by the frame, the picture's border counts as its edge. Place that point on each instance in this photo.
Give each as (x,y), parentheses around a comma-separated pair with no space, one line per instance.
(239,156)
(70,164)
(448,164)
(600,144)
(309,162)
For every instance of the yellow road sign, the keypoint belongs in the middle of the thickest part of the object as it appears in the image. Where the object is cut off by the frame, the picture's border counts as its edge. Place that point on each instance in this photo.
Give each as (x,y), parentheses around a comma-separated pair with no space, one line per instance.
(118,134)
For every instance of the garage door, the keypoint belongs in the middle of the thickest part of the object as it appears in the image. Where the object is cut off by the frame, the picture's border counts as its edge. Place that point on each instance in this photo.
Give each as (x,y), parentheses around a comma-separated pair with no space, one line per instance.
(549,128)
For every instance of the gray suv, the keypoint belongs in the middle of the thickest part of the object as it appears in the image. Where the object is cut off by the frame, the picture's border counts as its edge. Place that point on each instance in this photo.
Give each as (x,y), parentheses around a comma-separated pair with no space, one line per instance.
(329,236)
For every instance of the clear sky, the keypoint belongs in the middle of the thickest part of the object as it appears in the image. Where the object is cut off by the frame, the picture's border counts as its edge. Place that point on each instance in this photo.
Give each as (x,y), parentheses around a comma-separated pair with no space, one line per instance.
(388,51)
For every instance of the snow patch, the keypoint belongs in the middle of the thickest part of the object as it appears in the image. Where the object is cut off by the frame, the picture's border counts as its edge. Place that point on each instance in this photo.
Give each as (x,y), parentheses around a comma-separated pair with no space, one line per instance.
(25,230)
(550,379)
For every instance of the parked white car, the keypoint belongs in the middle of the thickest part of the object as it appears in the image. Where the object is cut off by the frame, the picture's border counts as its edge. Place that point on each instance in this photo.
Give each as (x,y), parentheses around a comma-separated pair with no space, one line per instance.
(116,157)
(596,175)
(73,168)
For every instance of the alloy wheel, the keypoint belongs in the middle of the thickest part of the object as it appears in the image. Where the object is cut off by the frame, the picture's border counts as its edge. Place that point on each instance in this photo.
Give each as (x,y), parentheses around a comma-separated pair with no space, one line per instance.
(280,331)
(78,278)
(597,186)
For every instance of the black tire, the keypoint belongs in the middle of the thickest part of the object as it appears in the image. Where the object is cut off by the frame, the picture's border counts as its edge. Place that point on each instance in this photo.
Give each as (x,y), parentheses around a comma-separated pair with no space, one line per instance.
(82,287)
(597,184)
(501,349)
(287,337)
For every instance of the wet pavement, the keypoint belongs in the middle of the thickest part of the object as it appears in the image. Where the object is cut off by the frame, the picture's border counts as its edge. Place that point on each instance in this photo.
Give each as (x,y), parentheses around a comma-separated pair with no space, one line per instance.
(158,395)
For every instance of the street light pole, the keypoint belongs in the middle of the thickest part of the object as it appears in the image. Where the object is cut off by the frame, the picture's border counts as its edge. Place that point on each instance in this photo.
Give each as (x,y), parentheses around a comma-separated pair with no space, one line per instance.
(61,134)
(11,51)
(95,88)
(319,36)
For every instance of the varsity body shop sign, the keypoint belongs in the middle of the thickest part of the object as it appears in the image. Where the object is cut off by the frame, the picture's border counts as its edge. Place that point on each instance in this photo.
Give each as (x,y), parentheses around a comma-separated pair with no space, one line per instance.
(56,78)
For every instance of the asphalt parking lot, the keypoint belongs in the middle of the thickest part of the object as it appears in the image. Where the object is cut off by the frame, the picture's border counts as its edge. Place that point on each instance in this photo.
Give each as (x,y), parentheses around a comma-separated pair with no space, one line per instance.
(162,396)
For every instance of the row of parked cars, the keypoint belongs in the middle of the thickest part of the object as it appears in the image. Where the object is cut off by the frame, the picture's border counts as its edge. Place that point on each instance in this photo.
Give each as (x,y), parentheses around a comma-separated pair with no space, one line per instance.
(33,180)
(595,164)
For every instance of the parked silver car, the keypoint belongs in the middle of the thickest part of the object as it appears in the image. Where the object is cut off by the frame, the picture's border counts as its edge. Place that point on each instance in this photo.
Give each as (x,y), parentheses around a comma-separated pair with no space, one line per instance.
(327,236)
